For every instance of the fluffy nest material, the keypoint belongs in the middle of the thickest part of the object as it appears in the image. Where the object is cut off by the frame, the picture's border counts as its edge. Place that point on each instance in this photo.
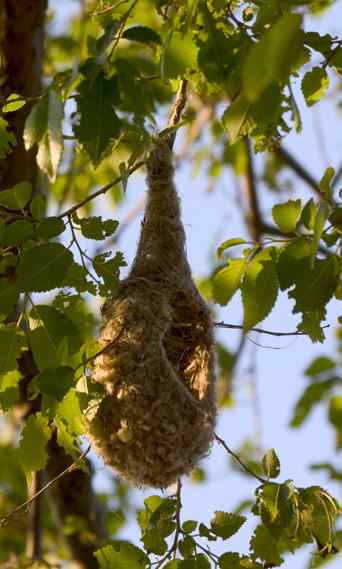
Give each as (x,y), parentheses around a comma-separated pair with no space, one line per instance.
(158,415)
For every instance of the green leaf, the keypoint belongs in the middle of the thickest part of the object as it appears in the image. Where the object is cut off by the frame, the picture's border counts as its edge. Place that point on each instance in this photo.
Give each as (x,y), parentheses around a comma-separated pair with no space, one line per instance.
(122,555)
(58,326)
(142,34)
(264,547)
(286,215)
(55,382)
(16,197)
(38,206)
(335,411)
(235,118)
(313,394)
(314,85)
(50,227)
(152,503)
(12,341)
(320,365)
(311,324)
(227,244)
(226,282)
(31,452)
(96,228)
(36,122)
(50,148)
(69,411)
(225,525)
(308,215)
(325,182)
(9,391)
(321,217)
(231,560)
(14,102)
(187,546)
(270,59)
(7,139)
(189,526)
(259,288)
(8,296)
(293,260)
(178,55)
(43,267)
(315,287)
(108,269)
(17,232)
(99,125)
(44,348)
(154,542)
(271,464)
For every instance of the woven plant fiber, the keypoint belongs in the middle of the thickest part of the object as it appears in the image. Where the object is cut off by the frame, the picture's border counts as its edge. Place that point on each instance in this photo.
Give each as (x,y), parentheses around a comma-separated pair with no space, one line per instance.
(158,415)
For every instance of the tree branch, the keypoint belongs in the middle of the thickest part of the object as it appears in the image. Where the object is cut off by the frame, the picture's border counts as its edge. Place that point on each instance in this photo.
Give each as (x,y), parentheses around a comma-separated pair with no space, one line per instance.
(252,214)
(34,536)
(298,168)
(261,330)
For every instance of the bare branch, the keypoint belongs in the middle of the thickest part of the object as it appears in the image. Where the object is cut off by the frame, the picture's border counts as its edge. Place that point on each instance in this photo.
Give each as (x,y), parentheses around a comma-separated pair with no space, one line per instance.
(34,533)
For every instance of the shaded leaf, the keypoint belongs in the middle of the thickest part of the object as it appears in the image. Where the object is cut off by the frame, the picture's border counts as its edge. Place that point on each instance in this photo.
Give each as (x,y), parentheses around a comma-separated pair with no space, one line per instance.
(122,554)
(55,382)
(16,197)
(313,394)
(264,547)
(31,452)
(12,341)
(271,464)
(314,85)
(43,267)
(325,182)
(7,139)
(96,228)
(320,365)
(235,118)
(259,288)
(142,34)
(225,525)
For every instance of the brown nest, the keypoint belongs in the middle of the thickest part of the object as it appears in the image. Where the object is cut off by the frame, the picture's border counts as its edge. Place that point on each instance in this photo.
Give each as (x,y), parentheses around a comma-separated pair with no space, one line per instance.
(158,416)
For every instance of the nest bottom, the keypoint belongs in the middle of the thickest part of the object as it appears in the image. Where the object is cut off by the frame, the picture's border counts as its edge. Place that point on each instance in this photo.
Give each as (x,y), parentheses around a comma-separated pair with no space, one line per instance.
(157,418)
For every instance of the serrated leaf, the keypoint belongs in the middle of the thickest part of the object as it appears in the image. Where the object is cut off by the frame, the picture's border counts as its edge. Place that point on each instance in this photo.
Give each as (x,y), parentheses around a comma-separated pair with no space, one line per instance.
(325,182)
(9,391)
(13,103)
(226,282)
(320,365)
(142,34)
(227,244)
(225,524)
(43,267)
(231,560)
(7,139)
(31,452)
(96,228)
(69,410)
(271,464)
(8,296)
(311,324)
(123,554)
(314,85)
(65,439)
(259,288)
(154,542)
(271,58)
(315,287)
(311,396)
(50,227)
(12,341)
(187,546)
(235,118)
(99,125)
(17,232)
(293,260)
(264,547)
(55,382)
(58,326)
(286,215)
(16,197)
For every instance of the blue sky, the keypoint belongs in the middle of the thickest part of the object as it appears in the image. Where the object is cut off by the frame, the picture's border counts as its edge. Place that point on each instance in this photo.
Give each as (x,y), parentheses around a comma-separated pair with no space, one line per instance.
(210,218)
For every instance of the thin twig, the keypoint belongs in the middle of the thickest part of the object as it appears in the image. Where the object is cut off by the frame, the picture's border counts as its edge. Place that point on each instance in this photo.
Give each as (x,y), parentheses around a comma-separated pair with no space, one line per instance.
(102,190)
(177,109)
(238,459)
(27,503)
(261,330)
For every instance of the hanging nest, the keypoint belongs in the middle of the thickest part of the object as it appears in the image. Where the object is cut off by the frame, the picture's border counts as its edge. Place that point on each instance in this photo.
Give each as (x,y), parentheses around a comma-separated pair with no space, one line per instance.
(158,416)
